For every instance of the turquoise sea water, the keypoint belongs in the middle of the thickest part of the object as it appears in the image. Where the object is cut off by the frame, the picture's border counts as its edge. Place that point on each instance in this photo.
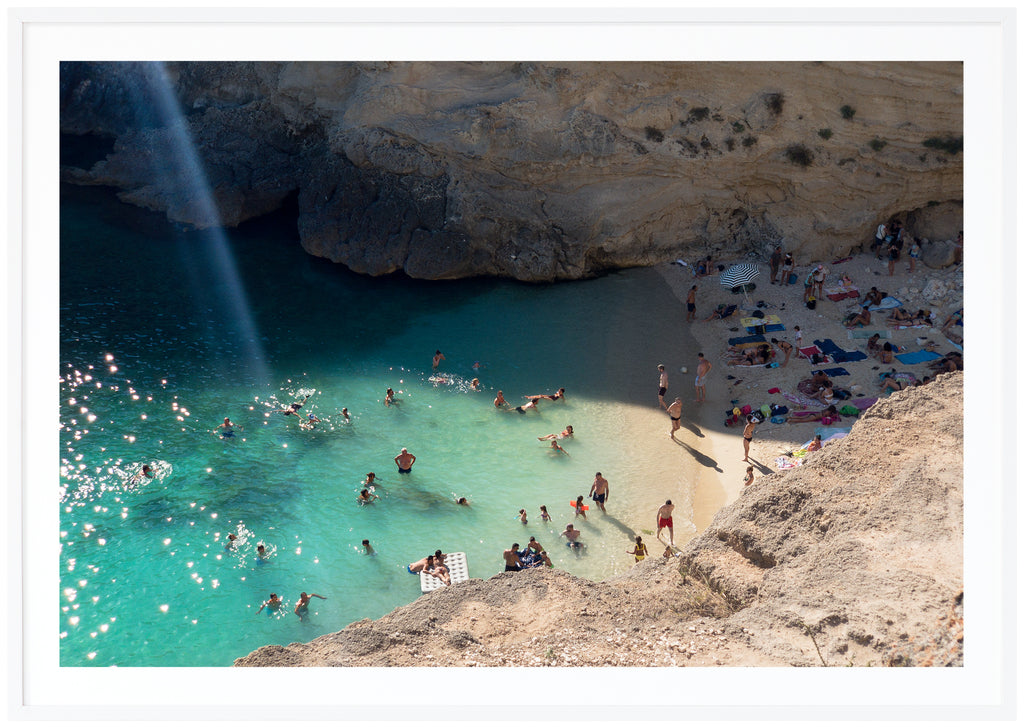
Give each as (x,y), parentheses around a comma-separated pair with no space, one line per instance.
(165,332)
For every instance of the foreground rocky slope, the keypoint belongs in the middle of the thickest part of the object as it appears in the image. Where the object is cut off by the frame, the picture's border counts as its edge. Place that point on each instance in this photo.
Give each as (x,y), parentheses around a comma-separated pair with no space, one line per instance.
(531,170)
(856,558)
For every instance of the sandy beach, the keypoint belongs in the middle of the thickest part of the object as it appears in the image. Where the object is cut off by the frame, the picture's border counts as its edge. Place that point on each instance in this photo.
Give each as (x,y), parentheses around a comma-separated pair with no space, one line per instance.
(717,450)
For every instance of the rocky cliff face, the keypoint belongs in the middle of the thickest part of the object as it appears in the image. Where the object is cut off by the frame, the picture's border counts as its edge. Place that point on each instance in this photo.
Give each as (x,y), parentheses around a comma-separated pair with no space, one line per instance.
(855,558)
(534,171)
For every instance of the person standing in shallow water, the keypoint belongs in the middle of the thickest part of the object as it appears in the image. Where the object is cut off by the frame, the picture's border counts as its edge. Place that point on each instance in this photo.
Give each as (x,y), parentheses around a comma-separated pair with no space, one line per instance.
(404,461)
(599,490)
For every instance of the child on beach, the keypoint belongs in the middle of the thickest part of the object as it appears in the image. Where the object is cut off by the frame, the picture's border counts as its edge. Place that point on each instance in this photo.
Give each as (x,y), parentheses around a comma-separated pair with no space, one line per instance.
(799,337)
(750,476)
(544,514)
(522,516)
(579,507)
(639,551)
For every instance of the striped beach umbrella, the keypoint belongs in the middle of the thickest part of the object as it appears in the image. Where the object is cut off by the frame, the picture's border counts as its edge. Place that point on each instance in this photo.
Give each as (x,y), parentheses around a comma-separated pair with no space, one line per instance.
(739,275)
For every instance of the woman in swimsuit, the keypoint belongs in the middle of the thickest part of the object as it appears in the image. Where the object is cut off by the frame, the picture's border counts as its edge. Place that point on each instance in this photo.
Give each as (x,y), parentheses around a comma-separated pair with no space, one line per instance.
(639,551)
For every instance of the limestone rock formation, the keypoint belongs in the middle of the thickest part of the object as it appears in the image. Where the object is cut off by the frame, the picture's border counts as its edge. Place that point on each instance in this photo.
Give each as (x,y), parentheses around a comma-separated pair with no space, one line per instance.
(535,171)
(855,558)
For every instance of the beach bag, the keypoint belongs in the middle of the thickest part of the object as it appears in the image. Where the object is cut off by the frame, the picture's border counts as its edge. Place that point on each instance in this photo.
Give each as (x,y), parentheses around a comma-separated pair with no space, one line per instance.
(778,420)
(850,410)
(757,313)
(811,303)
(745,409)
(829,419)
(779,409)
(792,278)
(766,410)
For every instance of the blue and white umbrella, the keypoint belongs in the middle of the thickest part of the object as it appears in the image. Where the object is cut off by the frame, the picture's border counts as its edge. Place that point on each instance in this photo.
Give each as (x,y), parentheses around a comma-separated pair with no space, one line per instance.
(739,275)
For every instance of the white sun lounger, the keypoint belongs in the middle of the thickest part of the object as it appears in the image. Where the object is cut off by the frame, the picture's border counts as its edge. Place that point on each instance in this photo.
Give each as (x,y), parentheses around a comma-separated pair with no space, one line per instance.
(458,570)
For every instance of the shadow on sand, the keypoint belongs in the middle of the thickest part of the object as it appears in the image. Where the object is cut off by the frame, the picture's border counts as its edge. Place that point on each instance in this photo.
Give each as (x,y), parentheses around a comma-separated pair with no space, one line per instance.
(700,457)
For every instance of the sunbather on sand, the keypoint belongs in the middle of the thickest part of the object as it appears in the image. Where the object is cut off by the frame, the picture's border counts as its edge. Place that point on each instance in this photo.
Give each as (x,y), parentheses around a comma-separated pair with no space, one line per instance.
(753,357)
(719,312)
(829,411)
(952,362)
(820,379)
(826,395)
(874,297)
(858,319)
(786,347)
(903,316)
(952,320)
(873,346)
(885,354)
(894,384)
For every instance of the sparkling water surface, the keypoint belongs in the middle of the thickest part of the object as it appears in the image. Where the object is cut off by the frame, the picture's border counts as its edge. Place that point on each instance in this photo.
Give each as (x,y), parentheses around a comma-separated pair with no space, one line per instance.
(165,331)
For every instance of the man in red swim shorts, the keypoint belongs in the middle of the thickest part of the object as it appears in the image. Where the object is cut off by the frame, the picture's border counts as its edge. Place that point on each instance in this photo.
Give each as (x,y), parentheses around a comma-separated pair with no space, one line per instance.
(665,521)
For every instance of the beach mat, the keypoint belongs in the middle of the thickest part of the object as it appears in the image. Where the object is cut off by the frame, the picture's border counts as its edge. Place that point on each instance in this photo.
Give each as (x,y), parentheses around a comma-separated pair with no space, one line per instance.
(767,329)
(868,333)
(862,403)
(918,357)
(808,351)
(737,340)
(458,570)
(887,303)
(833,372)
(838,355)
(830,433)
(751,321)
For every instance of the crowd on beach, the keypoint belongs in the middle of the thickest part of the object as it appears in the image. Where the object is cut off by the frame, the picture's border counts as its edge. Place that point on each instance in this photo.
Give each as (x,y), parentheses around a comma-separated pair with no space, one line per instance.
(820,397)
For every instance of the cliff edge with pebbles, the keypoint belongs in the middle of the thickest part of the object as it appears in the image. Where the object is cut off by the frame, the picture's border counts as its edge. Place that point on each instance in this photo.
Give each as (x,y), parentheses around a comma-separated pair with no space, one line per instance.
(855,558)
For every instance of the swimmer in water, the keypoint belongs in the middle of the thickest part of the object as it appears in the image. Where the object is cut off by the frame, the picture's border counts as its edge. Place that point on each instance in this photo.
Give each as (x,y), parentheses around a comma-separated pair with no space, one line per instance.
(227,428)
(558,448)
(294,407)
(475,384)
(389,397)
(272,604)
(567,432)
(438,358)
(310,423)
(231,542)
(462,501)
(345,414)
(371,480)
(544,514)
(560,394)
(261,553)
(146,472)
(367,548)
(302,606)
(532,404)
(366,496)
(499,401)
(522,516)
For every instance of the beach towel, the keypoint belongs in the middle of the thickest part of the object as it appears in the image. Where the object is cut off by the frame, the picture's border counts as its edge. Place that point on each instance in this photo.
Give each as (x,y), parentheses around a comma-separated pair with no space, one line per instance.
(833,372)
(803,400)
(887,303)
(808,351)
(737,340)
(751,321)
(831,433)
(899,327)
(767,329)
(838,355)
(838,293)
(918,357)
(863,403)
(868,333)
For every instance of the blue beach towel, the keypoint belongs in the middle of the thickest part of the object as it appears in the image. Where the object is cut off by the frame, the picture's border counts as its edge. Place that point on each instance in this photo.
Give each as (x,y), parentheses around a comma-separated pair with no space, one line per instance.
(834,372)
(887,303)
(746,340)
(918,357)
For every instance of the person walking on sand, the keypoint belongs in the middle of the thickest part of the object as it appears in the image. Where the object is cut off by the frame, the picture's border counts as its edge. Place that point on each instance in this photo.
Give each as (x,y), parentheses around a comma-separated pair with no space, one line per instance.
(404,461)
(662,385)
(748,436)
(703,367)
(639,551)
(675,413)
(774,262)
(599,490)
(691,304)
(664,517)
